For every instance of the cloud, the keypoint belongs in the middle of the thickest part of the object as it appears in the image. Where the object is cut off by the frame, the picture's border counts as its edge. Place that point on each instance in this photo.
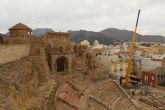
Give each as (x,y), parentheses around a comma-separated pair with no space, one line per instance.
(94,15)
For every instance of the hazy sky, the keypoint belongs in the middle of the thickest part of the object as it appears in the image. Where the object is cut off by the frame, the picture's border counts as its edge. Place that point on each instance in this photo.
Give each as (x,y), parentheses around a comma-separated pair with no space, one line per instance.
(94,15)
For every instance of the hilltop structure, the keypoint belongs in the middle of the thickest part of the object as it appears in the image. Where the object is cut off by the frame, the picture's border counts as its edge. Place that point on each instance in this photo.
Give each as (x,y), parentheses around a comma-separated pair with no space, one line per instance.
(48,72)
(57,46)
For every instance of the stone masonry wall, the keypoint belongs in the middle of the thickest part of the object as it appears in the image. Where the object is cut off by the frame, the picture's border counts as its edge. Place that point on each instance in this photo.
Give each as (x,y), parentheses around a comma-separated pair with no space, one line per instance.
(13,52)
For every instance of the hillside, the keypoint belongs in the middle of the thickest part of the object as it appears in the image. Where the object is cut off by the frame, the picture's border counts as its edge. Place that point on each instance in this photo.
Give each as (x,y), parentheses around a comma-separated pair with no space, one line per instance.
(106,36)
(78,36)
(125,35)
(1,37)
(153,38)
(40,31)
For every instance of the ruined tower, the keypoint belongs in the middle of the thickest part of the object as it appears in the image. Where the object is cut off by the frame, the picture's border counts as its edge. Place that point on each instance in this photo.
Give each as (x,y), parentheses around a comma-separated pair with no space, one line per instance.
(20,30)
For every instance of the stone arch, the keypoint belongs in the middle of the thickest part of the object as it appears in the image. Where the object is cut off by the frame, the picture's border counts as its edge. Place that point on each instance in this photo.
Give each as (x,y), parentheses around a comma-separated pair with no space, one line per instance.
(61,64)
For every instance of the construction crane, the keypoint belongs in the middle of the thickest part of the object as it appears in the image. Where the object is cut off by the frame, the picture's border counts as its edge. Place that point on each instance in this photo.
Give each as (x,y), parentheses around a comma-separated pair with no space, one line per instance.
(126,80)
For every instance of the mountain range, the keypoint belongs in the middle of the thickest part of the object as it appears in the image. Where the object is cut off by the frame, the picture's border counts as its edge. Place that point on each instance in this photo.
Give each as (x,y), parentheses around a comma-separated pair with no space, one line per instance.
(1,37)
(110,35)
(125,35)
(106,36)
(78,36)
(40,31)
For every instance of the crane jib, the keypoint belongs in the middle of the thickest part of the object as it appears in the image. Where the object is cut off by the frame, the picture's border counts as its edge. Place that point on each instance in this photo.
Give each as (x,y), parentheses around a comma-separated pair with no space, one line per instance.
(137,18)
(128,73)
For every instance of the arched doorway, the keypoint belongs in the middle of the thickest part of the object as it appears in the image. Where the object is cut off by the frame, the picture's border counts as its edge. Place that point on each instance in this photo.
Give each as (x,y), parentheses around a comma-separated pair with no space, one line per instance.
(61,64)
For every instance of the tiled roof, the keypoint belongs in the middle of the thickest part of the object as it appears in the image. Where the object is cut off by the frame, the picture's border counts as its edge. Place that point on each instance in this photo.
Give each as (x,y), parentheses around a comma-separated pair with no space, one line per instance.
(104,94)
(112,96)
(20,26)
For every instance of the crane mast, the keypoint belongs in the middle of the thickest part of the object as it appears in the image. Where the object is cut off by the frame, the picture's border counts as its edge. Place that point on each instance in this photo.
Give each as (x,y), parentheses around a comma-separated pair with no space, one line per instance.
(126,81)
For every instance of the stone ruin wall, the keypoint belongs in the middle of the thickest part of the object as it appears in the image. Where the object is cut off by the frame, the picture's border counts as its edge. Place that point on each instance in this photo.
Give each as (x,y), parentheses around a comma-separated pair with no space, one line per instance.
(105,95)
(59,42)
(28,74)
(13,52)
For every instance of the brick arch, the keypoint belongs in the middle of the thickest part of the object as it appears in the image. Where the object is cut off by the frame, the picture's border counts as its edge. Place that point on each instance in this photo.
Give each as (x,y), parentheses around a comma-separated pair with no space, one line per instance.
(67,59)
(61,64)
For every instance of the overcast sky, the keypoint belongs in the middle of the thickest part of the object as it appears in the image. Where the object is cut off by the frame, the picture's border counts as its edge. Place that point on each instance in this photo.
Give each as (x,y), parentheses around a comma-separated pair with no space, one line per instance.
(93,15)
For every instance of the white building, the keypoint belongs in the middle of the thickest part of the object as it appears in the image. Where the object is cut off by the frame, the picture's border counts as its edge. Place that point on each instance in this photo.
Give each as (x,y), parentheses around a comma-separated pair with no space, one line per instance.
(148,64)
(98,46)
(106,59)
(158,57)
(119,68)
(96,42)
(85,42)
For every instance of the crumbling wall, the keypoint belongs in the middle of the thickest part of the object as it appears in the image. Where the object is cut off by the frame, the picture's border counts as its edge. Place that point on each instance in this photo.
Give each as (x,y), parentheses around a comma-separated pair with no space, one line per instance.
(13,52)
(21,82)
(103,95)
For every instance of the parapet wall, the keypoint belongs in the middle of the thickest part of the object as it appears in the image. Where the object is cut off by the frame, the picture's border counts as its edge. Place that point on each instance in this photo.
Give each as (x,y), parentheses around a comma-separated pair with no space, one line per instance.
(13,52)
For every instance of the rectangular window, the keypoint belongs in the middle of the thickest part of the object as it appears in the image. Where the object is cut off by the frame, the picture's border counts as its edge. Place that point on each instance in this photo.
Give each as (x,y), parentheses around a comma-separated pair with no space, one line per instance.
(152,77)
(146,78)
